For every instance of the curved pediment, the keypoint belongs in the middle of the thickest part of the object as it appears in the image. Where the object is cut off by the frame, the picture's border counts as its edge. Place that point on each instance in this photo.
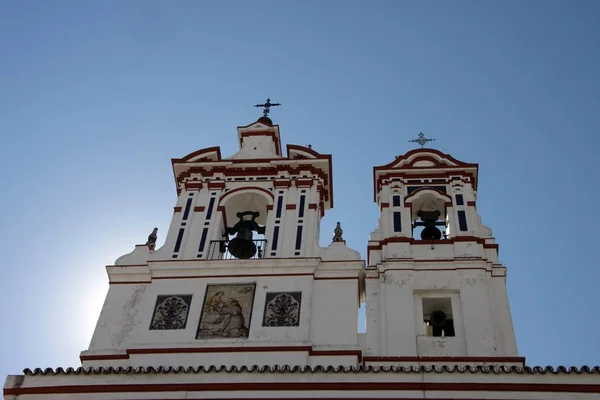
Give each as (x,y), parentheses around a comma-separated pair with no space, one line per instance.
(425,158)
(207,154)
(294,152)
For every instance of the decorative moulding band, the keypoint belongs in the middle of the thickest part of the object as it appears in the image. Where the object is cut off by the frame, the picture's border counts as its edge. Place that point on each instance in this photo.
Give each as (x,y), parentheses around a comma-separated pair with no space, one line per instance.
(345,387)
(245,349)
(446,359)
(282,183)
(216,185)
(193,185)
(304,182)
(257,275)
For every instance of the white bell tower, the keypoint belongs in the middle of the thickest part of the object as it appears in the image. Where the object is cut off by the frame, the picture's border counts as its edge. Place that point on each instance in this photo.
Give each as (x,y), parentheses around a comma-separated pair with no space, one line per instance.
(435,290)
(241,279)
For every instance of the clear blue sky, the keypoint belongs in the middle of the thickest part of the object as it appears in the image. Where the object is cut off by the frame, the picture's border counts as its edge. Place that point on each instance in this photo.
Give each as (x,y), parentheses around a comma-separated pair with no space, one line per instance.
(97,97)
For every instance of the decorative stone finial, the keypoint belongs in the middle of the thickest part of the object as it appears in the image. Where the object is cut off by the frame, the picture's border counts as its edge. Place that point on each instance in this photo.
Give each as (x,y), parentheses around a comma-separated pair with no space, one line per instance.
(151,243)
(337,233)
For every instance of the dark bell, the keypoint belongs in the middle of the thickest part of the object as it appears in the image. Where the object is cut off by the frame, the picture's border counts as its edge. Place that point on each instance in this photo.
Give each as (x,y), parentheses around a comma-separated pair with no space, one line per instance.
(431,233)
(242,246)
(429,220)
(438,318)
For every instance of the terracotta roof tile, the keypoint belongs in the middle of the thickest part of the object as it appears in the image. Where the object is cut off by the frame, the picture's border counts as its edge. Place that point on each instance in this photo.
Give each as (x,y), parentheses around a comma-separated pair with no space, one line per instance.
(307,369)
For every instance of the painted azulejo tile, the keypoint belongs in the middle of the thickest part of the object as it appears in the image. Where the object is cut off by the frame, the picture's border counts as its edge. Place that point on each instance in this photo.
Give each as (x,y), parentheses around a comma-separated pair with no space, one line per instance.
(171,312)
(282,309)
(227,311)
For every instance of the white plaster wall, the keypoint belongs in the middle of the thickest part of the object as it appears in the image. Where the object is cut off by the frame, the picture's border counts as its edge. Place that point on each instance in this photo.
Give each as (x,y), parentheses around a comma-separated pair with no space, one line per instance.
(334,312)
(504,330)
(334,361)
(396,311)
(119,316)
(373,317)
(440,250)
(440,347)
(396,291)
(477,313)
(142,336)
(239,359)
(328,317)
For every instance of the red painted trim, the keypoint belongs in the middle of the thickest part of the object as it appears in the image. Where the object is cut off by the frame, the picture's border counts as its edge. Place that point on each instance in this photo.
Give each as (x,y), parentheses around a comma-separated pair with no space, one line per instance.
(332,278)
(403,239)
(227,276)
(212,185)
(177,209)
(427,156)
(435,269)
(408,199)
(209,171)
(319,156)
(384,205)
(95,357)
(129,282)
(313,206)
(199,208)
(290,206)
(193,185)
(247,188)
(269,207)
(248,349)
(220,276)
(443,359)
(356,353)
(238,349)
(312,386)
(406,175)
(304,182)
(303,149)
(282,183)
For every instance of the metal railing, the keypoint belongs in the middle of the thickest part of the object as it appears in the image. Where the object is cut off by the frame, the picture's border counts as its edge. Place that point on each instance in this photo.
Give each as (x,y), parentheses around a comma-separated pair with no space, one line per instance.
(218,250)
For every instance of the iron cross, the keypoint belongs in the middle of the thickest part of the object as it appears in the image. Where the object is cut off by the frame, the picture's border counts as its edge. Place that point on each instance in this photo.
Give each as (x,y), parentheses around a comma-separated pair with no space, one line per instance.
(267,107)
(421,139)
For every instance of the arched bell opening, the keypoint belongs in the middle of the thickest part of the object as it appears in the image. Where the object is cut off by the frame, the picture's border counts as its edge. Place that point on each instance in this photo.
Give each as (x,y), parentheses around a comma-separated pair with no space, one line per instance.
(429,219)
(244,221)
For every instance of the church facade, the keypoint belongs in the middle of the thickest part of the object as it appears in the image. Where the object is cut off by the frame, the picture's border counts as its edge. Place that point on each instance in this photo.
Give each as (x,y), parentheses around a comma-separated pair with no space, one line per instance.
(241,301)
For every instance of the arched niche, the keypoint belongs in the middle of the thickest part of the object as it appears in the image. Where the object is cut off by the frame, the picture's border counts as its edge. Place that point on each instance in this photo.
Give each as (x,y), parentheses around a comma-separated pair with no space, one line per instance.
(246,199)
(424,204)
(427,199)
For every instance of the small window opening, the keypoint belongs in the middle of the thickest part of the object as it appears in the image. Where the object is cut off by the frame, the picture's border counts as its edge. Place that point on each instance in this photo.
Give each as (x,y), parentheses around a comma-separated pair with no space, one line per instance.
(462,221)
(437,317)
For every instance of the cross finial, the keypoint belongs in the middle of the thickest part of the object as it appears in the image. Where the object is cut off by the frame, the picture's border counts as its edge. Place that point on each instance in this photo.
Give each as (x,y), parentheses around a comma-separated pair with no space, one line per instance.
(421,139)
(267,105)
